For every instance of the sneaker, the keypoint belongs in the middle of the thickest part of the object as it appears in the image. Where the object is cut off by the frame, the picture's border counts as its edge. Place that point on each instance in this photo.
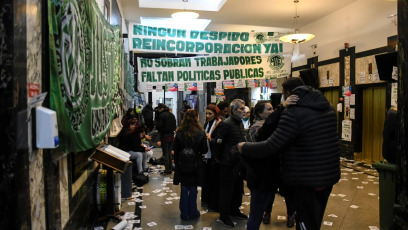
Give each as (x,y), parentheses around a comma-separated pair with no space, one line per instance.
(166,172)
(194,216)
(266,218)
(184,217)
(227,221)
(291,221)
(239,216)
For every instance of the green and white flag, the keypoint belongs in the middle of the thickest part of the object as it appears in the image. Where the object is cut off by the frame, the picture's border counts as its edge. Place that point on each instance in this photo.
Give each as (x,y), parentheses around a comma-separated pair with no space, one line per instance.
(85,69)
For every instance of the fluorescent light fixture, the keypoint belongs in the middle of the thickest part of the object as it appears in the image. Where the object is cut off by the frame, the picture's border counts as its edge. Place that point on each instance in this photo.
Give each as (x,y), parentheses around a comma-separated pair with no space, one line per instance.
(185,15)
(195,24)
(207,5)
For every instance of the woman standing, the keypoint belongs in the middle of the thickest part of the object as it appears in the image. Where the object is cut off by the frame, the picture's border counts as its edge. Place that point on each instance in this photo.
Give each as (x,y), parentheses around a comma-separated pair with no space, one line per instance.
(189,135)
(210,188)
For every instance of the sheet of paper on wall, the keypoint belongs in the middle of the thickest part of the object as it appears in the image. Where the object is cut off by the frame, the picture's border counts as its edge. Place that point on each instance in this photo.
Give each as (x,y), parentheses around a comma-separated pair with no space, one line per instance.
(331,81)
(352,99)
(352,113)
(339,107)
(181,87)
(395,73)
(346,130)
(213,98)
(347,101)
(251,83)
(218,84)
(200,85)
(394,94)
(362,77)
(159,87)
(323,81)
(376,76)
(240,83)
(149,87)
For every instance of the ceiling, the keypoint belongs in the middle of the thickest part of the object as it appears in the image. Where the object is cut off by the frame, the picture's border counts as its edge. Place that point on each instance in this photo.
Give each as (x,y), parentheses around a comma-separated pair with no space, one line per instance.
(265,13)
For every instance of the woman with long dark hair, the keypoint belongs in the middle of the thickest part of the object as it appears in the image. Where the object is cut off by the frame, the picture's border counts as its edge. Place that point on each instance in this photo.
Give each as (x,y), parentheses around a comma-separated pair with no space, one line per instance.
(130,141)
(210,188)
(189,136)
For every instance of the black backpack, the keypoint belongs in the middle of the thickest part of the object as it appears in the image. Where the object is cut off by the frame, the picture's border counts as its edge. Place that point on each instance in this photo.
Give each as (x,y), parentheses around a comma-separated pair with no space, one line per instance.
(188,161)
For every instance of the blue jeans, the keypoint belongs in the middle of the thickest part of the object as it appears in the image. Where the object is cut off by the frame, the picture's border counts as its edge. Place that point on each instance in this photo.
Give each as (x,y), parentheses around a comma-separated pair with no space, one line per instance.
(137,158)
(259,201)
(188,202)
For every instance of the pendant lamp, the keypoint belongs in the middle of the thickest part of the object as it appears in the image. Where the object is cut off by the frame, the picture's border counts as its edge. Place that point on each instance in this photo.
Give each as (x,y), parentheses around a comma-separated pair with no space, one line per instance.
(296,37)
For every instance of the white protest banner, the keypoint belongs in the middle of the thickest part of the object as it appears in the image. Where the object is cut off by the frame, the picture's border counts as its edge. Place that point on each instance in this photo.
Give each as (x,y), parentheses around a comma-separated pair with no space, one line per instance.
(169,40)
(212,68)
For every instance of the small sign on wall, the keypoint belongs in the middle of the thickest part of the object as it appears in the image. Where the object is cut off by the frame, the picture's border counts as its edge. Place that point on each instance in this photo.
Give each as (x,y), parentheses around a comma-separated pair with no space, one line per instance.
(346,130)
(33,89)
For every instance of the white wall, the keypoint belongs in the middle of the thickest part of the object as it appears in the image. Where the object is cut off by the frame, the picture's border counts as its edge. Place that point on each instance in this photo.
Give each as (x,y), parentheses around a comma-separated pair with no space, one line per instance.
(363,24)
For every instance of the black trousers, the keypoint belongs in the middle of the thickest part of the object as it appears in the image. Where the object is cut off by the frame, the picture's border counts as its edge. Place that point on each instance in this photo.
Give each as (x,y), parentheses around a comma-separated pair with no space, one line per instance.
(231,190)
(310,204)
(211,187)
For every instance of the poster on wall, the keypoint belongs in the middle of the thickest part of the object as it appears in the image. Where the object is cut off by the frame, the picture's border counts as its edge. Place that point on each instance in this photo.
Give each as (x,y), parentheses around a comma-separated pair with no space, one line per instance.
(346,130)
(228,84)
(85,59)
(394,94)
(252,83)
(171,87)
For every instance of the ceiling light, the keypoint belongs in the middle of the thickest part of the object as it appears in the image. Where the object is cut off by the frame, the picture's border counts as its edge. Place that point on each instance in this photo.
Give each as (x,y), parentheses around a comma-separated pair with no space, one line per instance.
(185,15)
(296,37)
(198,24)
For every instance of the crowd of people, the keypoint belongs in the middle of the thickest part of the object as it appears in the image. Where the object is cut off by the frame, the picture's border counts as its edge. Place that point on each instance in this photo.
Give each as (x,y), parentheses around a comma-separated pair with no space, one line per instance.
(291,148)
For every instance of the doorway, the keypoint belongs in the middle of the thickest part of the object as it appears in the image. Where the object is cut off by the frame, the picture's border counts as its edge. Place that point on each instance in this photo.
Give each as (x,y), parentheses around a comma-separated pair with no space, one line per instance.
(374,111)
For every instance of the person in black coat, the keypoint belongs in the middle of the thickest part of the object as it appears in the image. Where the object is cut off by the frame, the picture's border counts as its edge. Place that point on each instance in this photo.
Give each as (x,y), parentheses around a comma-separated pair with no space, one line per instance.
(211,186)
(230,132)
(130,141)
(166,125)
(189,134)
(263,175)
(390,135)
(307,138)
(147,113)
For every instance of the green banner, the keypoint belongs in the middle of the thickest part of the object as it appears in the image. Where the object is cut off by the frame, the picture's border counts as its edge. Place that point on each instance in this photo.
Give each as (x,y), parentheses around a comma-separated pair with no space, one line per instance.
(169,40)
(85,69)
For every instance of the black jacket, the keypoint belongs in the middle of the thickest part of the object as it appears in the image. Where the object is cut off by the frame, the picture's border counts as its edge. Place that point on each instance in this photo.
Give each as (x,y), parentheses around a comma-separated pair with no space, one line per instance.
(147,112)
(264,174)
(200,147)
(130,141)
(390,135)
(230,132)
(166,123)
(307,138)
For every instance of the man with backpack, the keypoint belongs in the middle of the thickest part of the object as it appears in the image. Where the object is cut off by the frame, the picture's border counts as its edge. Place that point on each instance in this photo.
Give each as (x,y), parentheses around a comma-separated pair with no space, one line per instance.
(166,125)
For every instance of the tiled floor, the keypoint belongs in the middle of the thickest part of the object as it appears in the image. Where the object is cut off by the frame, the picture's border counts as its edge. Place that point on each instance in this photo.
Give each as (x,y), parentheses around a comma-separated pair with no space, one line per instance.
(353,204)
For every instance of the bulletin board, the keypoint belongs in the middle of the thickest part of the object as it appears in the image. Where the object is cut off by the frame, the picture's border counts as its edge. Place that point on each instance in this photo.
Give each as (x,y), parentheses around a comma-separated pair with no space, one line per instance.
(366,71)
(329,75)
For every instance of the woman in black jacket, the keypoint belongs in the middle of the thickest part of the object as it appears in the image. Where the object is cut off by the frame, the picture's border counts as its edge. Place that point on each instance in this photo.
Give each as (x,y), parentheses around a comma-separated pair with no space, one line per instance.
(211,186)
(130,141)
(189,134)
